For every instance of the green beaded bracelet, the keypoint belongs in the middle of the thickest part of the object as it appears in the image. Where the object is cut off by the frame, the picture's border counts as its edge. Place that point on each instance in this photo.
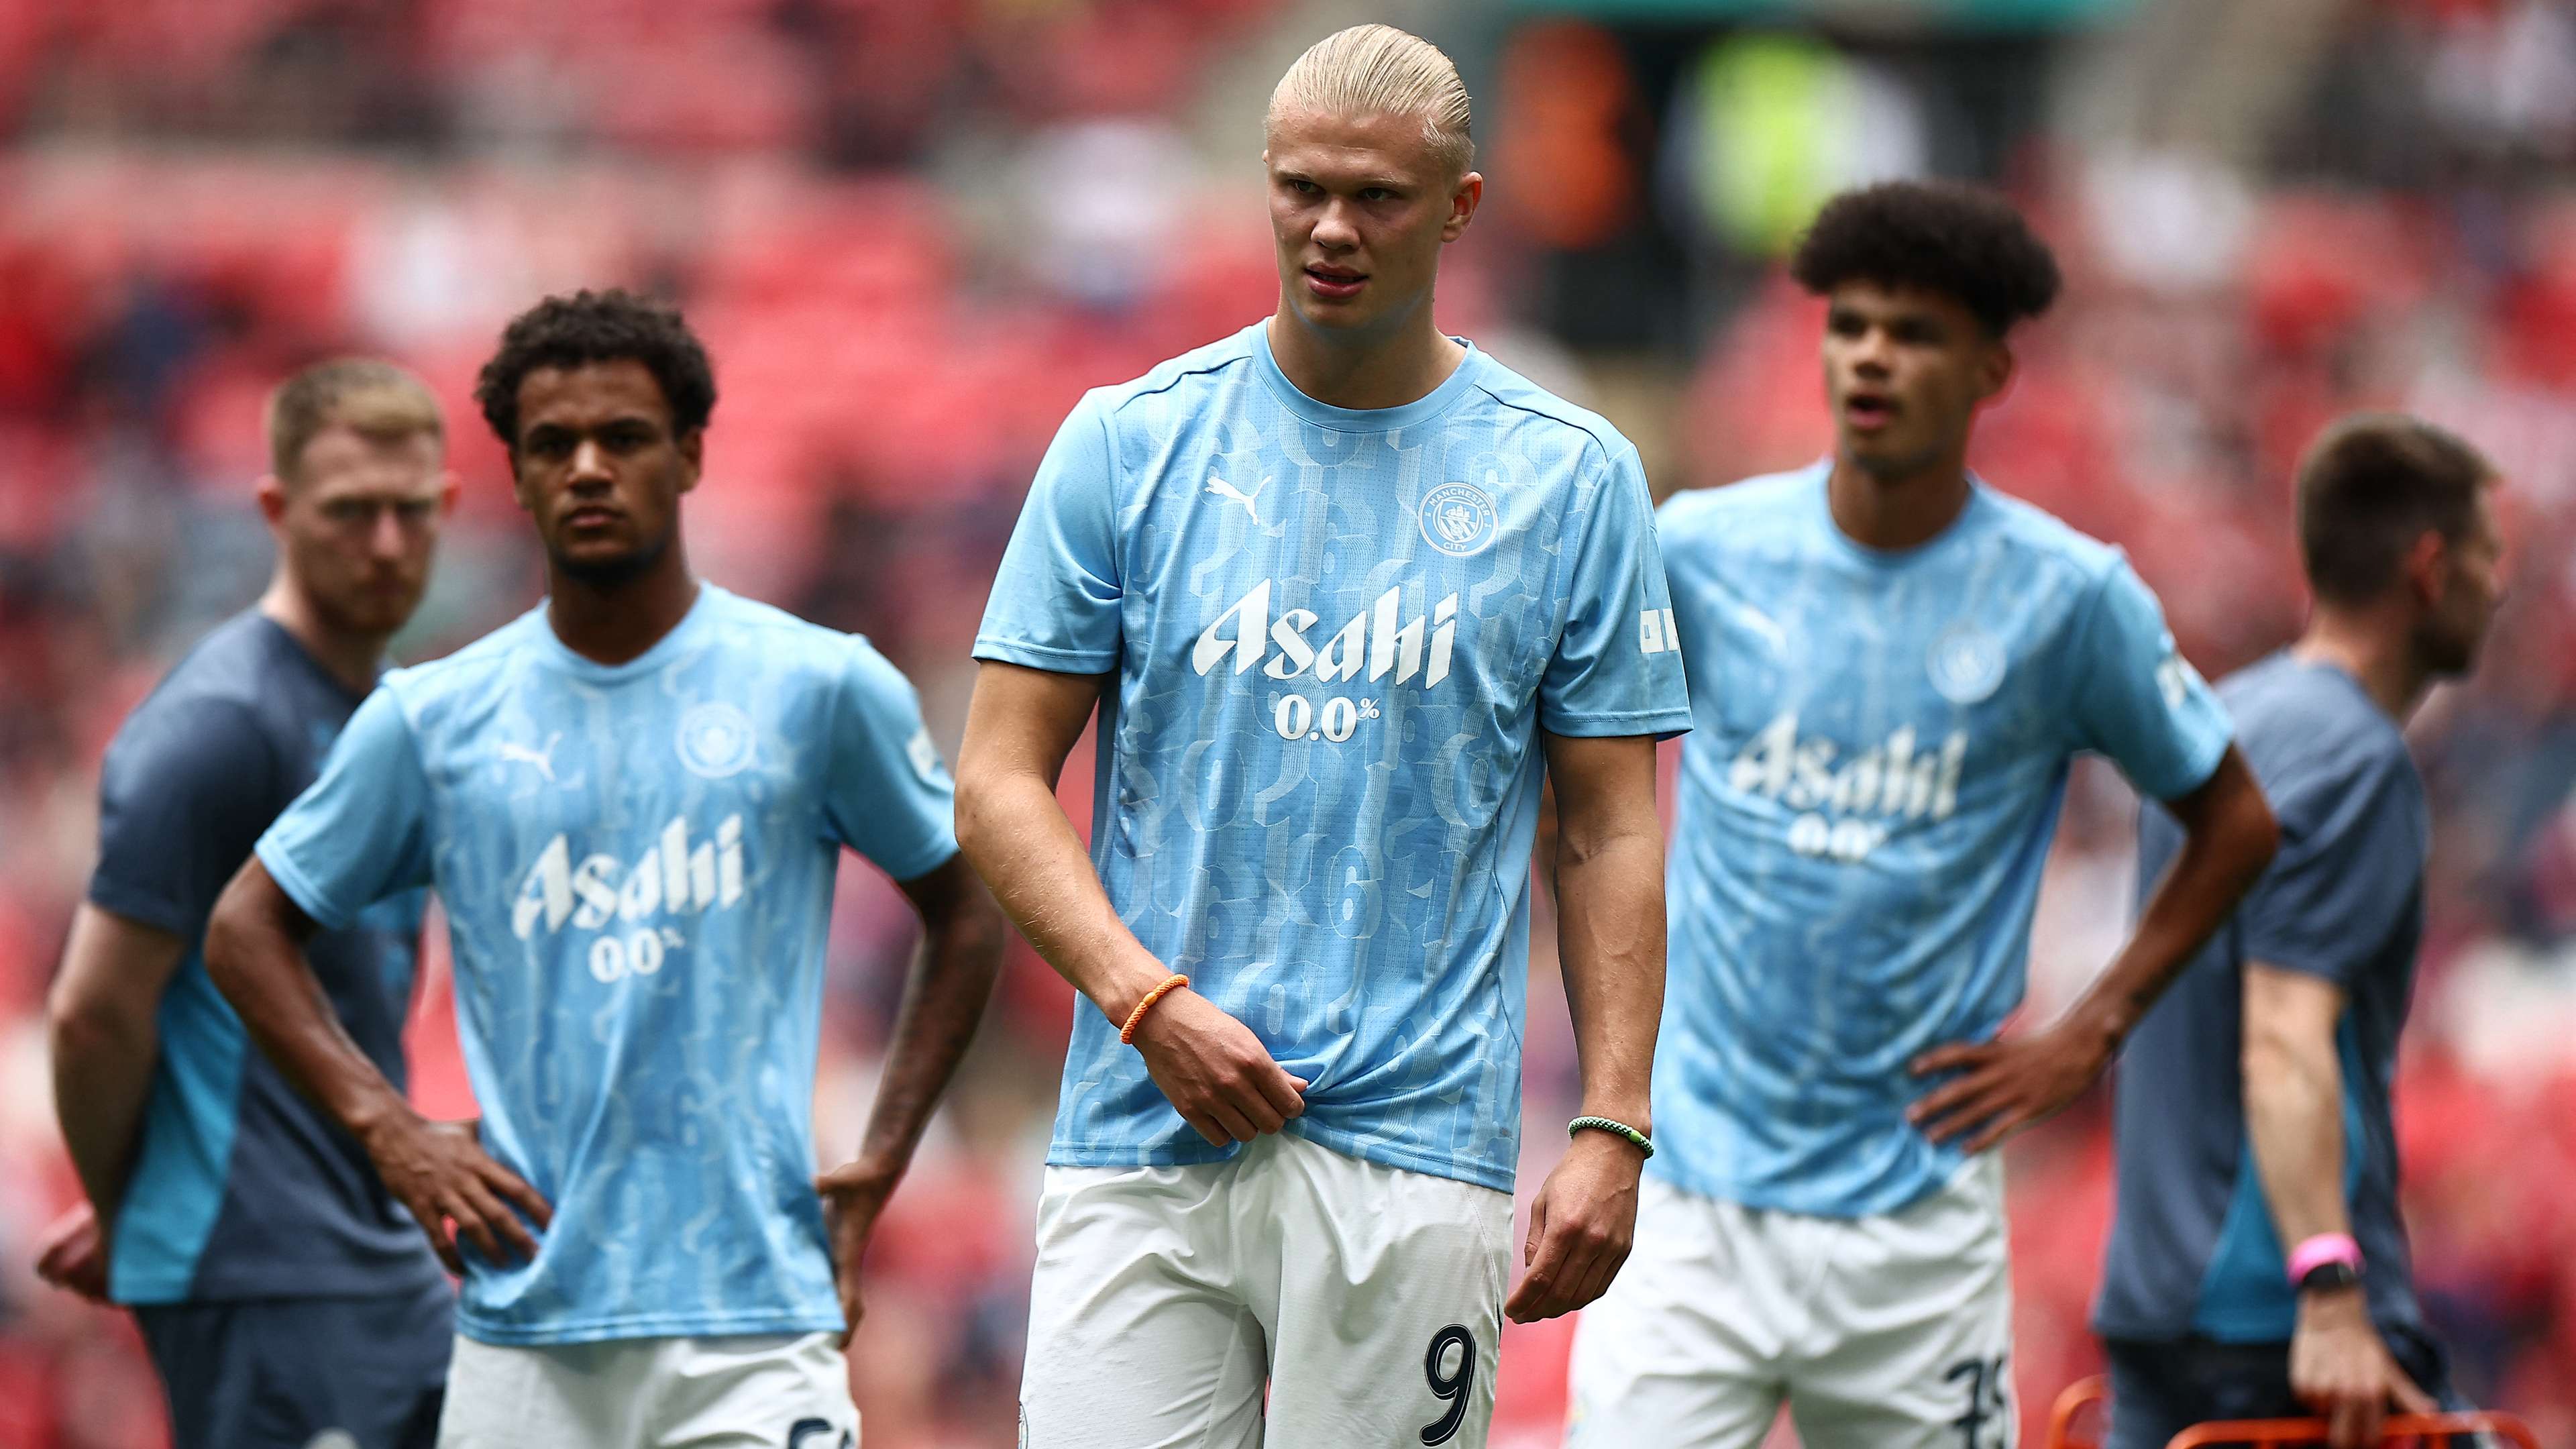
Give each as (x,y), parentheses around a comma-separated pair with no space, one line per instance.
(1644,1143)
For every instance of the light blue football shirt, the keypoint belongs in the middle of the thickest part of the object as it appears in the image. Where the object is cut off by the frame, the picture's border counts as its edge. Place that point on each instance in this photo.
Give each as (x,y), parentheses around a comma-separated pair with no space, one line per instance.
(637,864)
(1881,747)
(1335,636)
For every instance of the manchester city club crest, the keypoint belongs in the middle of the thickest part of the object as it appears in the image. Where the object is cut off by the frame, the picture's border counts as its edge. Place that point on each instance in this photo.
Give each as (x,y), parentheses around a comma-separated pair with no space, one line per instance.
(1967,663)
(716,740)
(1458,519)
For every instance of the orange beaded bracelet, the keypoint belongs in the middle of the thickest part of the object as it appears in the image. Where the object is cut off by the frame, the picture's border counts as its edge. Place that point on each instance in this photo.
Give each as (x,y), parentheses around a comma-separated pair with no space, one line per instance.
(1127,1033)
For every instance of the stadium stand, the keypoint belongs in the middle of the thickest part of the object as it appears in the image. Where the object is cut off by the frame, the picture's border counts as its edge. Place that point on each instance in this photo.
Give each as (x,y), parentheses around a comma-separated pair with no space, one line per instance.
(198,195)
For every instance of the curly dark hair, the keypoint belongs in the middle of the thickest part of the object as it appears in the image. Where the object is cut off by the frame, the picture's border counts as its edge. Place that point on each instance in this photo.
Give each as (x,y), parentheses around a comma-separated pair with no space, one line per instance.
(1962,242)
(610,326)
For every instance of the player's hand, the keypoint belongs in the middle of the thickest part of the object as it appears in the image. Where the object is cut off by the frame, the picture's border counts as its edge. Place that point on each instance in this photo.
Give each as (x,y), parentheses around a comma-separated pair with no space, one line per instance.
(2341,1369)
(2007,1084)
(1581,1226)
(853,1194)
(1218,1075)
(440,1171)
(75,1255)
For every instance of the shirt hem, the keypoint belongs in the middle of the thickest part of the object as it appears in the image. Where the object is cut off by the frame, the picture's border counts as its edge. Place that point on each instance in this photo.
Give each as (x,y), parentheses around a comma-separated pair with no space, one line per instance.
(918,863)
(1779,1202)
(1040,656)
(1474,1174)
(2135,1331)
(643,1325)
(2334,969)
(298,886)
(161,1292)
(1182,1154)
(2232,1333)
(2232,1329)
(140,906)
(2200,773)
(1661,723)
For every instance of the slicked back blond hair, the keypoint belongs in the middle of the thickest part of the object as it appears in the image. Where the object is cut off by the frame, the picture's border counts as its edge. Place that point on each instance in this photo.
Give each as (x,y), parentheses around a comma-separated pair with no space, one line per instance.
(1378,70)
(382,402)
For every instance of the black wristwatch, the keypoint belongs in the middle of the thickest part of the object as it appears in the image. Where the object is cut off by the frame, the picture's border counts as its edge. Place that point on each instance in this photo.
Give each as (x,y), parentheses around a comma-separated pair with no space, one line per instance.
(2330,1277)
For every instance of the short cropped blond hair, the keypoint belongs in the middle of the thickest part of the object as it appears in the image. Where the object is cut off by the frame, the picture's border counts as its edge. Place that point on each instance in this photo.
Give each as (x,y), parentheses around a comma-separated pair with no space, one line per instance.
(379,400)
(1378,70)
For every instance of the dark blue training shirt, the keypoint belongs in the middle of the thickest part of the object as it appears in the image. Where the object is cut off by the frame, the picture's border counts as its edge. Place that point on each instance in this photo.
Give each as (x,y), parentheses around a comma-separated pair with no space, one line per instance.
(241,1188)
(2193,1249)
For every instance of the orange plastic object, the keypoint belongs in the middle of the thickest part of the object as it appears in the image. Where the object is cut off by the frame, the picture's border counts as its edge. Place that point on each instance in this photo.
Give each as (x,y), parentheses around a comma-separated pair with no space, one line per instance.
(2079,1396)
(2427,1430)
(2424,1429)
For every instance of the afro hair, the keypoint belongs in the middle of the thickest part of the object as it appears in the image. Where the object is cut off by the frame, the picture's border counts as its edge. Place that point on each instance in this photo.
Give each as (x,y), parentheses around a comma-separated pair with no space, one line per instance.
(587,327)
(1961,242)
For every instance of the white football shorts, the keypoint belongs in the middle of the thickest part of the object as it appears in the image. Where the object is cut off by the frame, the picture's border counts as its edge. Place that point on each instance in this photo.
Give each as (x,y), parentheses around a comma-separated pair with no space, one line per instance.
(758,1391)
(1890,1332)
(1367,1299)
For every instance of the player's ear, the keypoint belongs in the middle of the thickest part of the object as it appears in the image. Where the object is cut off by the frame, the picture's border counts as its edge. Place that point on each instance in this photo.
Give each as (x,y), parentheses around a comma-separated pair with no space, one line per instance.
(272,498)
(693,456)
(2428,569)
(1994,369)
(1464,198)
(521,488)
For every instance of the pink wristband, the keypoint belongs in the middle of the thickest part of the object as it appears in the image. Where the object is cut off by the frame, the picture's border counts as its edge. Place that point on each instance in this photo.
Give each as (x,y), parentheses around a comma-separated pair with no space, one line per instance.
(2324,1248)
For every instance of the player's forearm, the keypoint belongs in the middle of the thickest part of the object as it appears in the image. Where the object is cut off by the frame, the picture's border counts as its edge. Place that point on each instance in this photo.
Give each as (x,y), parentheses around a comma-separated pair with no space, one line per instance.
(256,959)
(1610,948)
(2228,839)
(1013,832)
(2294,1123)
(943,1001)
(103,1021)
(102,1065)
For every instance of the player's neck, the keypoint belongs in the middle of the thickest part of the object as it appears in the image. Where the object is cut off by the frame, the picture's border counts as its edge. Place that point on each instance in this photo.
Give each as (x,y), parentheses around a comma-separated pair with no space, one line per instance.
(617,621)
(352,659)
(2374,651)
(1365,374)
(1899,512)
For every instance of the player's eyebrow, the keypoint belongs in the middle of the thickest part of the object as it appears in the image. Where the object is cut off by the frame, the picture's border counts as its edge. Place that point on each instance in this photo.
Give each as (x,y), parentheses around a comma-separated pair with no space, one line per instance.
(1360,182)
(578,426)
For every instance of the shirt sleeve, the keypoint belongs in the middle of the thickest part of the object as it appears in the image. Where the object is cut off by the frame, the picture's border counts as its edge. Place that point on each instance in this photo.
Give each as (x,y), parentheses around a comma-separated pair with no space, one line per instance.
(1055,602)
(361,832)
(1617,669)
(182,794)
(2350,863)
(2138,700)
(889,796)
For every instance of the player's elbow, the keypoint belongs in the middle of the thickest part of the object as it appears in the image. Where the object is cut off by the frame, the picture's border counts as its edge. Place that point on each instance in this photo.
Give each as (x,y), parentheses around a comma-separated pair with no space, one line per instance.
(974,820)
(1631,839)
(241,921)
(2277,1056)
(2230,823)
(960,917)
(85,1026)
(977,925)
(2261,1057)
(987,797)
(226,944)
(102,1002)
(2258,832)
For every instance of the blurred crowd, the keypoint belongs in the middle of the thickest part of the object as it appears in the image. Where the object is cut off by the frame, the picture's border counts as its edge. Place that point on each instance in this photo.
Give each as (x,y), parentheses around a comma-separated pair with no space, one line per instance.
(913,231)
